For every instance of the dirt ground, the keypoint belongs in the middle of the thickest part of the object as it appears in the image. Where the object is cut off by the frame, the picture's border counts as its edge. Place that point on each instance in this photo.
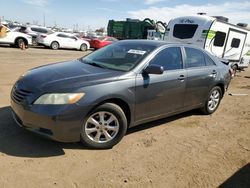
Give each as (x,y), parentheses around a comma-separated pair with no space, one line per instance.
(187,150)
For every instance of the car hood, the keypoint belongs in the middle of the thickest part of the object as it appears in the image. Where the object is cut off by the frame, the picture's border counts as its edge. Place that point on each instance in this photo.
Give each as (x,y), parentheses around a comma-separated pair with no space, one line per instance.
(66,75)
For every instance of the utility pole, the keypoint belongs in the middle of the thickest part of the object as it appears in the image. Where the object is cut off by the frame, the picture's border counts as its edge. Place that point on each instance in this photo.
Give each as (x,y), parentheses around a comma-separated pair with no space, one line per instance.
(44,23)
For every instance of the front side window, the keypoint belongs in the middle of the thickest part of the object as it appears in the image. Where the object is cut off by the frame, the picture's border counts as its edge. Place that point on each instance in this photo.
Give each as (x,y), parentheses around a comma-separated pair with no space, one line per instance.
(219,39)
(195,58)
(184,31)
(169,59)
(119,56)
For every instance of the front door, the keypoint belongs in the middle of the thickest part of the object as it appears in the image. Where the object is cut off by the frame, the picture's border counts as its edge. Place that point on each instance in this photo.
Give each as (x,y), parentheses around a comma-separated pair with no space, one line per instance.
(158,95)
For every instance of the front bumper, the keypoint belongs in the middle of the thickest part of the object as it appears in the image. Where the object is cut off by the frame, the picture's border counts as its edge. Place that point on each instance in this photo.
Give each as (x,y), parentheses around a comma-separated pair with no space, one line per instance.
(57,123)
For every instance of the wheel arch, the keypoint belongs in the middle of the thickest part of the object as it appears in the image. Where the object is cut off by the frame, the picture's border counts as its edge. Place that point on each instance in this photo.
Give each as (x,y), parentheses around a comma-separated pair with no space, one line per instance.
(121,103)
(24,39)
(222,87)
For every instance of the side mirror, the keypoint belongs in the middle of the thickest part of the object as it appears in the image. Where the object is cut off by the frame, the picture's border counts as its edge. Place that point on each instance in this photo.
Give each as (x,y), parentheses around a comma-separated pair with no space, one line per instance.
(154,69)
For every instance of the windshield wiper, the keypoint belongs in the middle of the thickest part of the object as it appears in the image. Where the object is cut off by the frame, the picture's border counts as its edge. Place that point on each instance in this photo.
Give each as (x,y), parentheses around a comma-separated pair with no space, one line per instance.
(96,65)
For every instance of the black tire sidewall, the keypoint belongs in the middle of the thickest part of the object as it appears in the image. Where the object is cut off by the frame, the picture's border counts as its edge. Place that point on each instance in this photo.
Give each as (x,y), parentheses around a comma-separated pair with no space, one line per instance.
(52,44)
(118,112)
(85,47)
(207,110)
(19,42)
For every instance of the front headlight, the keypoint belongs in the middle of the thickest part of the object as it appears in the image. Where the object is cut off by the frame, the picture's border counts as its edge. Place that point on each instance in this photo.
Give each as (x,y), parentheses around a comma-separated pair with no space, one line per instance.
(59,98)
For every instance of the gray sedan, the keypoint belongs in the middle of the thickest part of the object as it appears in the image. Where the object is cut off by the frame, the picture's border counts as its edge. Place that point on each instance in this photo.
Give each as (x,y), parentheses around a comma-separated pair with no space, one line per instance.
(96,98)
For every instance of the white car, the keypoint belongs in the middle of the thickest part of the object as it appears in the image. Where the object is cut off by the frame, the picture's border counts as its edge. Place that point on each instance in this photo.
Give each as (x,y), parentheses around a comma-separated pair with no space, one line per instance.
(16,39)
(62,40)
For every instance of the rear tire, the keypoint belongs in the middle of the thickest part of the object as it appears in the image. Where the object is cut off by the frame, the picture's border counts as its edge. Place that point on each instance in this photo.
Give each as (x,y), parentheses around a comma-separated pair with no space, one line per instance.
(235,68)
(213,101)
(54,45)
(104,127)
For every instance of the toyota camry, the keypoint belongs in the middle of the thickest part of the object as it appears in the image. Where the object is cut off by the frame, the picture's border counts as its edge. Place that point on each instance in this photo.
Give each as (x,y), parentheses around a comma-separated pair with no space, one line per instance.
(96,98)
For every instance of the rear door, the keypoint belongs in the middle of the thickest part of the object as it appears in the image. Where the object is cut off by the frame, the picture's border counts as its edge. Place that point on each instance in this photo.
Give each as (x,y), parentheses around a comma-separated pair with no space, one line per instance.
(201,73)
(234,45)
(161,94)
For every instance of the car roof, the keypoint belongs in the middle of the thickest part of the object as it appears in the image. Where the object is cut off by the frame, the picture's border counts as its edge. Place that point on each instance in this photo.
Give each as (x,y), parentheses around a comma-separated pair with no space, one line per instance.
(157,43)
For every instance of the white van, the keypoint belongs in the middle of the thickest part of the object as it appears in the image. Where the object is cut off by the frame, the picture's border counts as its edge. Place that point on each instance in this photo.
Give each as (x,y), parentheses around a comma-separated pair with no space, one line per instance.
(214,34)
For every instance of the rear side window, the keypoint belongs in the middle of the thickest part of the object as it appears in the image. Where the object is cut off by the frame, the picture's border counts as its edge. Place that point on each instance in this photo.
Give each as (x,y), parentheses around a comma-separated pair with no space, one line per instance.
(169,59)
(195,58)
(219,39)
(39,30)
(22,29)
(184,31)
(62,35)
(209,61)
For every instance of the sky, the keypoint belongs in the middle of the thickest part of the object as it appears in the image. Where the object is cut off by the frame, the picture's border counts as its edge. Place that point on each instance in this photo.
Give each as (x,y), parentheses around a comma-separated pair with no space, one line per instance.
(94,14)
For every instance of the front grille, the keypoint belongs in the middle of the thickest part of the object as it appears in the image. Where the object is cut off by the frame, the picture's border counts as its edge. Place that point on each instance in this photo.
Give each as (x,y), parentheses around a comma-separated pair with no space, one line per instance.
(19,95)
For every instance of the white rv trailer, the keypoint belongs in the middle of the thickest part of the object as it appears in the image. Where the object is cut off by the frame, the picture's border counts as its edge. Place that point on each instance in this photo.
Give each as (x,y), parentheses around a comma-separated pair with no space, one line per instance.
(215,35)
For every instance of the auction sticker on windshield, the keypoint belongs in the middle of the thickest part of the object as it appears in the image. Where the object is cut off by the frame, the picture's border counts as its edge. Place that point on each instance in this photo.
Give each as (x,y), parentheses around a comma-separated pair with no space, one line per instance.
(139,52)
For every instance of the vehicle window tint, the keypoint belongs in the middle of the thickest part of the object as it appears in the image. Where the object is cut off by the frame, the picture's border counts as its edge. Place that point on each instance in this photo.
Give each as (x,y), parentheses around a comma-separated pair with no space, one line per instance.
(219,39)
(39,30)
(62,35)
(235,43)
(73,38)
(122,57)
(22,29)
(184,31)
(169,59)
(209,61)
(195,58)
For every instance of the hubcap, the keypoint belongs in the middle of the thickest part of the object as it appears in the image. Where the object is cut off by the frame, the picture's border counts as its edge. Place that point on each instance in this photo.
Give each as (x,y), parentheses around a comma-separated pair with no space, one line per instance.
(214,100)
(55,46)
(101,127)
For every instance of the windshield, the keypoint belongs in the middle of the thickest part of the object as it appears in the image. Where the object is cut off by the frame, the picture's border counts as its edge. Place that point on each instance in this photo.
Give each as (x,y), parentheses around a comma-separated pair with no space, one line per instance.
(119,56)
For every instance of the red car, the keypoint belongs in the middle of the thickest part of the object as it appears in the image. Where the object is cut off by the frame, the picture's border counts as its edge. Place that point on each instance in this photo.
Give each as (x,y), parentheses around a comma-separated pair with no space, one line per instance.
(101,42)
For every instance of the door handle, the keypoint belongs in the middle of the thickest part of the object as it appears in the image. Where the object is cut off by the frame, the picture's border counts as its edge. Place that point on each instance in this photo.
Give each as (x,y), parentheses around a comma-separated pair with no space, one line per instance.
(181,78)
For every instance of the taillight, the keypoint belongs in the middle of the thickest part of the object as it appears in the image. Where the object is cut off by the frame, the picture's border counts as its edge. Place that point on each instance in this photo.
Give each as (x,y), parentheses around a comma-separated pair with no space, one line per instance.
(43,36)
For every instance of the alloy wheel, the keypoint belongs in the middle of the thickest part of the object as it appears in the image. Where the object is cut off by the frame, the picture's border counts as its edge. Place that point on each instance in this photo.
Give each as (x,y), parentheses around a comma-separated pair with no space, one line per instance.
(101,127)
(214,100)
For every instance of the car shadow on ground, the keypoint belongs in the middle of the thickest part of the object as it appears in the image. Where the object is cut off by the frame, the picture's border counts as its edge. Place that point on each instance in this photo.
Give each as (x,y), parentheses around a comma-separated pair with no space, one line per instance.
(239,179)
(16,141)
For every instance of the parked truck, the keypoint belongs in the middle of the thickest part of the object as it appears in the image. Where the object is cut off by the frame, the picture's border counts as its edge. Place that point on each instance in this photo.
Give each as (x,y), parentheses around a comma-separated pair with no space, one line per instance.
(131,28)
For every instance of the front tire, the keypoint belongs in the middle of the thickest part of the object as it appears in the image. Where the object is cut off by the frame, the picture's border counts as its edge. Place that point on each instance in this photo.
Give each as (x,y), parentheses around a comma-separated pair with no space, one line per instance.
(213,101)
(83,47)
(20,43)
(104,127)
